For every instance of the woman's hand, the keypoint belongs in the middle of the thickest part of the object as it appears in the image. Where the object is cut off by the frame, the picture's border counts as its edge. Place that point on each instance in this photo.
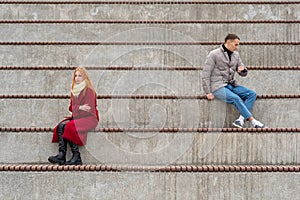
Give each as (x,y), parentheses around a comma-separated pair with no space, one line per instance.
(85,107)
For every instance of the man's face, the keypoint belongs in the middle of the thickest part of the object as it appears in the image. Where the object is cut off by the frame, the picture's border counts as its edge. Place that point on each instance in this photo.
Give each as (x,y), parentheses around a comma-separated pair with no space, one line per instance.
(232,45)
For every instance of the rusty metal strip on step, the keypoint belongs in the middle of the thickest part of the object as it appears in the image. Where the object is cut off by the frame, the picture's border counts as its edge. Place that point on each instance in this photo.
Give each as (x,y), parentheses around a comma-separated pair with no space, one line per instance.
(161,130)
(197,130)
(137,96)
(146,68)
(273,67)
(142,168)
(168,2)
(89,43)
(149,21)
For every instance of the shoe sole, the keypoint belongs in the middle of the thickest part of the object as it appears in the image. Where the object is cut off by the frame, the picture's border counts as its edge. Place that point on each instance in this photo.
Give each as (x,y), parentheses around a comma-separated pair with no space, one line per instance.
(261,127)
(60,162)
(78,163)
(236,125)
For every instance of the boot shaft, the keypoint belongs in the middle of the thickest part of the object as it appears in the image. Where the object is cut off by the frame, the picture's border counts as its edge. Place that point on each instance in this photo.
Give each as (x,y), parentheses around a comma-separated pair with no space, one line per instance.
(60,158)
(62,143)
(76,158)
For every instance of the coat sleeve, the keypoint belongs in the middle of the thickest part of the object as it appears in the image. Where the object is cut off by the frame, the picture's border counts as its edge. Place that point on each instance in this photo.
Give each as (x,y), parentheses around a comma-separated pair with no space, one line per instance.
(73,108)
(245,71)
(70,106)
(89,99)
(206,73)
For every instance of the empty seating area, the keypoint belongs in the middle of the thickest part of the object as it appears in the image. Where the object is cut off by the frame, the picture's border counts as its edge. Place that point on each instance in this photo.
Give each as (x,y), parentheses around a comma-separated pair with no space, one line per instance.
(158,136)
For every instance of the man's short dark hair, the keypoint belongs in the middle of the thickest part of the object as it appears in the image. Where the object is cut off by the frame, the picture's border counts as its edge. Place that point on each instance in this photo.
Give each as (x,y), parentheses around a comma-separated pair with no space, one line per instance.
(231,36)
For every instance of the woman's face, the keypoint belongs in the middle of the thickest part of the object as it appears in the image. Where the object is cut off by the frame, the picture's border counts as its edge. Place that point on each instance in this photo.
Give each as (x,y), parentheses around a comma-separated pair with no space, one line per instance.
(78,77)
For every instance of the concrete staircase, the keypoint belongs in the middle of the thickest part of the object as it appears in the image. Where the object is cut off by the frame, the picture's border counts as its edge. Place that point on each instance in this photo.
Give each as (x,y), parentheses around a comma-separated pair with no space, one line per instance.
(158,137)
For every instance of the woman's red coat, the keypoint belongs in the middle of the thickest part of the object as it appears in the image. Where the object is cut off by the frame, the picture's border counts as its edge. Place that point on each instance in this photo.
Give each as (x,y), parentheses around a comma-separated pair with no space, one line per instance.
(81,122)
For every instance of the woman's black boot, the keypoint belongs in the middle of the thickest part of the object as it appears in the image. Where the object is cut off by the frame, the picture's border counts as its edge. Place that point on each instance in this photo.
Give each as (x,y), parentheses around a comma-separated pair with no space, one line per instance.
(76,159)
(60,158)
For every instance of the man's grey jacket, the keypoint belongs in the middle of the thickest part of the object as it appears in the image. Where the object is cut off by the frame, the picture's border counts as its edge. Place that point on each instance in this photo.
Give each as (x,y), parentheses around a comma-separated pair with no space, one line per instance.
(219,70)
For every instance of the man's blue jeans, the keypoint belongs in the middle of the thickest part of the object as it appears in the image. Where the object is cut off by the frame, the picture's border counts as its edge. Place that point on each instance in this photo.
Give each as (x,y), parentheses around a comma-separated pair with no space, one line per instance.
(241,97)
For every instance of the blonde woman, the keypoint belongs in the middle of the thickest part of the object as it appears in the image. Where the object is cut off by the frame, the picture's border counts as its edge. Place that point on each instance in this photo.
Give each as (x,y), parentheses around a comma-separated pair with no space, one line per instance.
(74,129)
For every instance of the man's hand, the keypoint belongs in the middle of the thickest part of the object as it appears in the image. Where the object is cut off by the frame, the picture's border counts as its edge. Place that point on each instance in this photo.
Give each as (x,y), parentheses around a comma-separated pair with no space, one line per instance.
(210,96)
(240,69)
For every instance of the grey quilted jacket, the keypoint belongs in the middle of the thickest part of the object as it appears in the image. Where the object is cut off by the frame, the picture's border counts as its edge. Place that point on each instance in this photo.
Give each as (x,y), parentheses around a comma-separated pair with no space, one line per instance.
(218,69)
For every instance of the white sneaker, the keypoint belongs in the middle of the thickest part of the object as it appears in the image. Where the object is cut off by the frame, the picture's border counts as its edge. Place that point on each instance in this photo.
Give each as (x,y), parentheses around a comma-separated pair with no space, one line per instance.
(238,123)
(258,124)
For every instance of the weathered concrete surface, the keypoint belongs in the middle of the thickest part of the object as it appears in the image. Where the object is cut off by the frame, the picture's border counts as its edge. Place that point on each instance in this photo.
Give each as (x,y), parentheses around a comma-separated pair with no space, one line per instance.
(151,11)
(143,82)
(153,148)
(149,148)
(149,113)
(69,32)
(124,55)
(152,186)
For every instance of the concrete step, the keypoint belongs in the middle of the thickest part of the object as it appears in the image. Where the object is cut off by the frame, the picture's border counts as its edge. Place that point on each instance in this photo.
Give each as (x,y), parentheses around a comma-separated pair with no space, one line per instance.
(86,184)
(105,82)
(276,11)
(137,55)
(150,113)
(232,147)
(165,32)
(139,81)
(140,161)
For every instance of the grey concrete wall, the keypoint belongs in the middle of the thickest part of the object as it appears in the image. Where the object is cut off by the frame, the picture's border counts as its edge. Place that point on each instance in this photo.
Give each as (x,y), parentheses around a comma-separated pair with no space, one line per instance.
(143,82)
(251,32)
(146,55)
(146,113)
(124,55)
(152,11)
(152,186)
(153,148)
(149,148)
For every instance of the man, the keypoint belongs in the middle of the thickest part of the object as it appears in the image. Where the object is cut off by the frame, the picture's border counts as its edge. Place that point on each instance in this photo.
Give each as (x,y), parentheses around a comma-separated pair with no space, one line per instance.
(218,80)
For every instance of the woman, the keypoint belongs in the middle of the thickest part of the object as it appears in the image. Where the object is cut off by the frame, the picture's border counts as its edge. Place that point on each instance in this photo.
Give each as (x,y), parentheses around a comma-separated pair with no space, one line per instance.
(74,129)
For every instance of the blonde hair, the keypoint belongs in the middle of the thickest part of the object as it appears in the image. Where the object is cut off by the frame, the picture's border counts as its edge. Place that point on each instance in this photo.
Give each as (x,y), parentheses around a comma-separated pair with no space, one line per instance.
(86,77)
